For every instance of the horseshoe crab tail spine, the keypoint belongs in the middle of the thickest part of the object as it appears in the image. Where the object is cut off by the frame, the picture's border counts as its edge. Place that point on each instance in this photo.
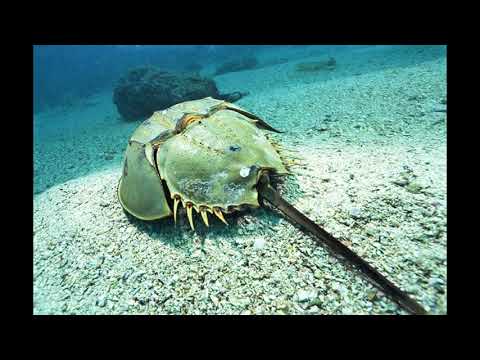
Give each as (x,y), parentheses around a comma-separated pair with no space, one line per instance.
(334,245)
(219,214)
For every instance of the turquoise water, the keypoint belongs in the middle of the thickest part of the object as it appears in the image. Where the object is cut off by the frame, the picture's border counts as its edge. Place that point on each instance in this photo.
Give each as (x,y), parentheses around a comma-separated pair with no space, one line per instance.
(73,86)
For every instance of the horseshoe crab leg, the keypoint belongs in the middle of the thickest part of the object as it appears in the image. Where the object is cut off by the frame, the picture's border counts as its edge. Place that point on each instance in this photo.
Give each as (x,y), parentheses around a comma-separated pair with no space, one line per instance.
(324,238)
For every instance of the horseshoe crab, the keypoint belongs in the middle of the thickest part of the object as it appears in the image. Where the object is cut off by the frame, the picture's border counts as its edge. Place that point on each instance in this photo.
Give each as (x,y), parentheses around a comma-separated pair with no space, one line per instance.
(214,157)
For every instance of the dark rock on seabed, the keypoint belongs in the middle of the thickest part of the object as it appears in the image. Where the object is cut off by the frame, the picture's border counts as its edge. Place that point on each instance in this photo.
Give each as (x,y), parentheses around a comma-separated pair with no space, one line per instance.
(245,63)
(145,90)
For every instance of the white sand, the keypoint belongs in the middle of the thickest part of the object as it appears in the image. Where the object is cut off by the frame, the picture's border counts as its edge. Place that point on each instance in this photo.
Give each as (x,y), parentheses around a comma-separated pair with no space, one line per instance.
(90,258)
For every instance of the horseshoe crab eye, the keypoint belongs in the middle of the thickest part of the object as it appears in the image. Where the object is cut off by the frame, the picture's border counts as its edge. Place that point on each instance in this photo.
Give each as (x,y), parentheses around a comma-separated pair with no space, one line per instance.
(234,148)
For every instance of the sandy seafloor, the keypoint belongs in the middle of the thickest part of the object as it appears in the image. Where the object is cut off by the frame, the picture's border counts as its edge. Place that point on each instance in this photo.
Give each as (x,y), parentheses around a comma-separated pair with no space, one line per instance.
(373,145)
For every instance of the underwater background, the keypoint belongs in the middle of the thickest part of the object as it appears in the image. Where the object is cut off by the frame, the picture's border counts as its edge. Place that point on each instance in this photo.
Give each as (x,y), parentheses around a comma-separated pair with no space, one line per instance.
(368,122)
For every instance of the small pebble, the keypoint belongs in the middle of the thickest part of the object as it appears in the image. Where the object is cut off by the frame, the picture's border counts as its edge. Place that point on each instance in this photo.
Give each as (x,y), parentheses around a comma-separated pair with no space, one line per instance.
(401,182)
(101,302)
(317,302)
(437,283)
(414,188)
(139,275)
(239,302)
(126,275)
(259,243)
(356,213)
(214,300)
(99,261)
(282,305)
(372,295)
(305,295)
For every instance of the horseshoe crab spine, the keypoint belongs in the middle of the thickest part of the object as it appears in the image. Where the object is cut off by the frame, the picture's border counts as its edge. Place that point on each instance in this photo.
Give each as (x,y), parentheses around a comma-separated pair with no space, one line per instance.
(202,209)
